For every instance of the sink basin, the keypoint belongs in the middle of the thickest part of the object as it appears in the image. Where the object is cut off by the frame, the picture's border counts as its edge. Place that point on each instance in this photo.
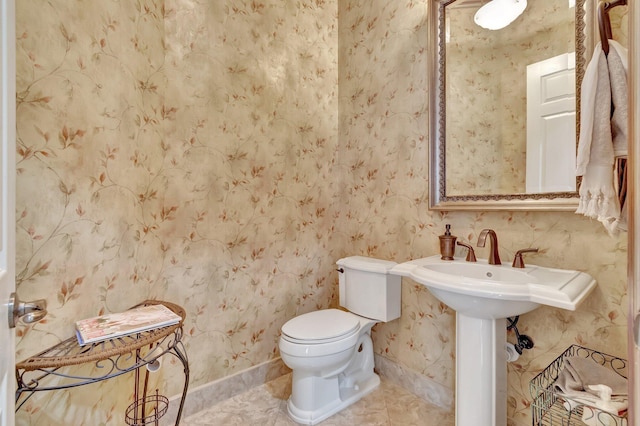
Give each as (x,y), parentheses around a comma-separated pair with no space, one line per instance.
(480,290)
(483,296)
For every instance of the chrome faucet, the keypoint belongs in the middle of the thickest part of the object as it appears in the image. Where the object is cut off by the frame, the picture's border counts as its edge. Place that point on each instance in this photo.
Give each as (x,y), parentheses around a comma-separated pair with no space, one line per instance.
(494,256)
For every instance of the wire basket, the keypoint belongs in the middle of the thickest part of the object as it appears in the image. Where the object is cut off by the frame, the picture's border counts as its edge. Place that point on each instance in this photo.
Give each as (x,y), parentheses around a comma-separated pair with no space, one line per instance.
(147,410)
(552,409)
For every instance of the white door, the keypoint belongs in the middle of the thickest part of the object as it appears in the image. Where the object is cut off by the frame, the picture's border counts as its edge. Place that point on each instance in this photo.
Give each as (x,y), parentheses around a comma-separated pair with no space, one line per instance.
(7,208)
(551,125)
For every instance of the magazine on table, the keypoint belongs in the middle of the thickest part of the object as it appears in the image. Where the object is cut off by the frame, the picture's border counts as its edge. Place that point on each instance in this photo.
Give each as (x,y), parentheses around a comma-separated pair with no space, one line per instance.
(133,321)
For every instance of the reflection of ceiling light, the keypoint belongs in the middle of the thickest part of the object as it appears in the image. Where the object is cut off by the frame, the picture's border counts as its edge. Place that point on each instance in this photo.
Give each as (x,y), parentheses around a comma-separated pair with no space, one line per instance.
(498,14)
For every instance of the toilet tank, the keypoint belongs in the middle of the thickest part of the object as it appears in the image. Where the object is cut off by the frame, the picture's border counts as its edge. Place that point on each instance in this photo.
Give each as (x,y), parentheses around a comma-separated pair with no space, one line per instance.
(368,289)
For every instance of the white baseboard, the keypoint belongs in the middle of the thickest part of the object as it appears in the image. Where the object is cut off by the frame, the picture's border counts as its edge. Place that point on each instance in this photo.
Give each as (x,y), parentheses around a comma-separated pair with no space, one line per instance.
(419,385)
(204,396)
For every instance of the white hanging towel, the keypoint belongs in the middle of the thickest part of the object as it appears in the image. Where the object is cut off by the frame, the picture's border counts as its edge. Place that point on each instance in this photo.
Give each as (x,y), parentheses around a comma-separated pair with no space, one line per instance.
(601,84)
(595,160)
(618,71)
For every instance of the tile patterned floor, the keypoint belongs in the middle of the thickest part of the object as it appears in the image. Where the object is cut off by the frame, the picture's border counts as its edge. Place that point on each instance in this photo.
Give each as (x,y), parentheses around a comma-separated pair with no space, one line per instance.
(389,405)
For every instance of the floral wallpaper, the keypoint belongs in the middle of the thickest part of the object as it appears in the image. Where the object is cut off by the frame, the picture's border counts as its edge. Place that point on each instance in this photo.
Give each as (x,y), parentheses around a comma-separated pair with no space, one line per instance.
(222,156)
(175,150)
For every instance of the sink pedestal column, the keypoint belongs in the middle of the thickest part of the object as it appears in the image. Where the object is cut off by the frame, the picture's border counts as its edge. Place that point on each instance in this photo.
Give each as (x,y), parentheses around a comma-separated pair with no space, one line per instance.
(481,371)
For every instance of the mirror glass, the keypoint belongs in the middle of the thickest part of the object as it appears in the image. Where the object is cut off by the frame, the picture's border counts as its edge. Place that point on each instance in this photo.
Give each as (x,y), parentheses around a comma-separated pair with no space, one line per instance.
(504,108)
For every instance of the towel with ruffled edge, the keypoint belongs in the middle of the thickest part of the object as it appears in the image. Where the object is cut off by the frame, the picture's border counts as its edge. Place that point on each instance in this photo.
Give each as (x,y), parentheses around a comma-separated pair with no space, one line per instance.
(595,148)
(618,71)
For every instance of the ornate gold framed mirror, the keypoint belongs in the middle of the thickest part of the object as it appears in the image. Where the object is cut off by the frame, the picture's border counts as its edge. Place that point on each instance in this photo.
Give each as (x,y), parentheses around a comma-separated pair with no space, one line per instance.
(504,106)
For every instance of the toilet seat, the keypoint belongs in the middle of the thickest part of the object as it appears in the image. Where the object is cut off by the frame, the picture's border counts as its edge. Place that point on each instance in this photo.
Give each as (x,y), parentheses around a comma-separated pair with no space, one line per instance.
(321,327)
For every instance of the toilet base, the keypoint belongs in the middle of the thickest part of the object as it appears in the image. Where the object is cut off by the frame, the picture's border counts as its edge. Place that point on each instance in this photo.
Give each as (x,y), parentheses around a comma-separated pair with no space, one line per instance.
(347,396)
(335,381)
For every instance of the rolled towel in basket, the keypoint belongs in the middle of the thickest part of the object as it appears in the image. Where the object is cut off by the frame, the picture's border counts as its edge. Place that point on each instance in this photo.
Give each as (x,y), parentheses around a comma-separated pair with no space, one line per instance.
(579,374)
(606,409)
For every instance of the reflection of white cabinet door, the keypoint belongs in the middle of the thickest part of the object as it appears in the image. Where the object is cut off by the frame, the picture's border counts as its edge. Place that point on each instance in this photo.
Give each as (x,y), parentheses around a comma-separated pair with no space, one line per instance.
(551,125)
(7,206)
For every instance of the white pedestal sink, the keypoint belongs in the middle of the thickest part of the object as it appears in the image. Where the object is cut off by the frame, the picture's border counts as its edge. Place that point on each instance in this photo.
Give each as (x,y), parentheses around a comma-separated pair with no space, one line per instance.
(483,296)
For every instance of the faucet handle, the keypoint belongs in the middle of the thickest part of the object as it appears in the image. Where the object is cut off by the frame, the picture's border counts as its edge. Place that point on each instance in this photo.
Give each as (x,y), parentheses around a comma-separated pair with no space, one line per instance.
(471,255)
(518,262)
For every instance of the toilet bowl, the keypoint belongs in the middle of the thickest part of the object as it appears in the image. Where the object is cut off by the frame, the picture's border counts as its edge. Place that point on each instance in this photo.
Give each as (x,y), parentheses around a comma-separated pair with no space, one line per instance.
(332,368)
(330,352)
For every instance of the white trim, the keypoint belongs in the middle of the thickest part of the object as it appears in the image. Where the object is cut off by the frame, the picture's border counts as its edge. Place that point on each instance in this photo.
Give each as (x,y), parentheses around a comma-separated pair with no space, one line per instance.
(414,382)
(633,202)
(208,394)
(7,205)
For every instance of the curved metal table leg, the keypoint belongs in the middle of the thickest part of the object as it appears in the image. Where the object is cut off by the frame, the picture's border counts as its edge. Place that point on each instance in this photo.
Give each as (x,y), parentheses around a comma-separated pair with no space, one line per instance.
(181,354)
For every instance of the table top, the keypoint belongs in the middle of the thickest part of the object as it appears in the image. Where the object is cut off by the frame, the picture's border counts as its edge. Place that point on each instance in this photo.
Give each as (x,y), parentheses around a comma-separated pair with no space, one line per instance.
(69,352)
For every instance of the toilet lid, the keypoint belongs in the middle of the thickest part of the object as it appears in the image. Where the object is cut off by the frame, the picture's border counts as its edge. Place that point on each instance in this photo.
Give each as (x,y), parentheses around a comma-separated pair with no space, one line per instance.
(327,324)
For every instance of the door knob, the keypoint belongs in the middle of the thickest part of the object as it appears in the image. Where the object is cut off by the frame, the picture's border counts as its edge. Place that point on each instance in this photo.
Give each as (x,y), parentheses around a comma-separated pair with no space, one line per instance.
(27,311)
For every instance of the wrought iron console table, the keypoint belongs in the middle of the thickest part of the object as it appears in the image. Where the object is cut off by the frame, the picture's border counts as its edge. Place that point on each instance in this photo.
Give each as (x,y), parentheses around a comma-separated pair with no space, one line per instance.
(111,358)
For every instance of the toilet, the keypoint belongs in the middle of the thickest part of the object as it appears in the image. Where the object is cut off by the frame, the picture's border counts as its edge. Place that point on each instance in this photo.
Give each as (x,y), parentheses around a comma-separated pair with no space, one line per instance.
(330,351)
